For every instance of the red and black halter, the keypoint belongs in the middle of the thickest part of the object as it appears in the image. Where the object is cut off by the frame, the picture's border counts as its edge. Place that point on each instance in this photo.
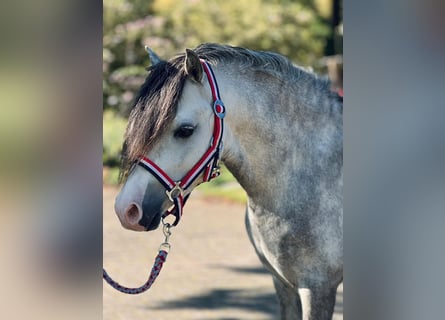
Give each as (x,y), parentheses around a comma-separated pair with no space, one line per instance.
(208,164)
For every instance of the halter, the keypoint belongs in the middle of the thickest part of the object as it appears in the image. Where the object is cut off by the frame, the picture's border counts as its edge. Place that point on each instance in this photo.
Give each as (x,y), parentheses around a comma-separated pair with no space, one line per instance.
(208,163)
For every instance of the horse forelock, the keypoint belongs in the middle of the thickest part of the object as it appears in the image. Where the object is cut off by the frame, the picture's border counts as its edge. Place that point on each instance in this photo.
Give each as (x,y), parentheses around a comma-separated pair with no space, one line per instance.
(154,107)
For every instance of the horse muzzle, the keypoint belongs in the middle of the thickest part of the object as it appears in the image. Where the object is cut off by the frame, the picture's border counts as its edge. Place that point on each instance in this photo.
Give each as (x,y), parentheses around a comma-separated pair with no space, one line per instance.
(145,216)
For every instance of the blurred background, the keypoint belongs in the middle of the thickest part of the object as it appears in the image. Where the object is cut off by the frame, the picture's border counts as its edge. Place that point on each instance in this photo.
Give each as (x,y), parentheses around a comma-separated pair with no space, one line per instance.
(50,159)
(54,87)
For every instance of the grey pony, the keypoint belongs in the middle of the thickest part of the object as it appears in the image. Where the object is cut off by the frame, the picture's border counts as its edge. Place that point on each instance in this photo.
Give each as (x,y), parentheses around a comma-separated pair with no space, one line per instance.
(284,145)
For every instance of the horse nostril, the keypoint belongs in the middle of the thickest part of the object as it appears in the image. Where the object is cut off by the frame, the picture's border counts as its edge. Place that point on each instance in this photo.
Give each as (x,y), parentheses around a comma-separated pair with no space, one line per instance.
(133,214)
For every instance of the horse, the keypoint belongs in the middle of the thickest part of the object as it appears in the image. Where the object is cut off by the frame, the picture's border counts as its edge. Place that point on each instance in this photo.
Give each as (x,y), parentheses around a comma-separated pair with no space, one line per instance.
(282,141)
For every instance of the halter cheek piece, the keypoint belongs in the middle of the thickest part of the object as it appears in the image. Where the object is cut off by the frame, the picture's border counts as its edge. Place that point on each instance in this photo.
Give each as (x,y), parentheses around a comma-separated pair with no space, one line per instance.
(208,163)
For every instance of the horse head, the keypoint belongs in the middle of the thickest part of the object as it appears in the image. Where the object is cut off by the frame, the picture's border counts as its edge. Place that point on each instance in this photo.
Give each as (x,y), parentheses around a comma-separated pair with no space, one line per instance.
(170,129)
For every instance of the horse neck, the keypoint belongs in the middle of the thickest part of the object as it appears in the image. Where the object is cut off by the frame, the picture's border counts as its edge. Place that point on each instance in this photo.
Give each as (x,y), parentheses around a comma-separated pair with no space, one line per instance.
(276,129)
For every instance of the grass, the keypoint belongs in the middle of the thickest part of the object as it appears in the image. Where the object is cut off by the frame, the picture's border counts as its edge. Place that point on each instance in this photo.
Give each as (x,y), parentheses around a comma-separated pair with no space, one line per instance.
(110,175)
(224,186)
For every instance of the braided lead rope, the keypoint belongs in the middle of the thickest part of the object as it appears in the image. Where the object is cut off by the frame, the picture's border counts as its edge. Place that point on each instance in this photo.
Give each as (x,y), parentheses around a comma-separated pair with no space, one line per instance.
(157,266)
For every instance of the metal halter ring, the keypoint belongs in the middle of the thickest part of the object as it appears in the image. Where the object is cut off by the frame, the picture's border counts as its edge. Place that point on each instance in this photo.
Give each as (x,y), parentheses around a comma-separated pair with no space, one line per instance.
(175,192)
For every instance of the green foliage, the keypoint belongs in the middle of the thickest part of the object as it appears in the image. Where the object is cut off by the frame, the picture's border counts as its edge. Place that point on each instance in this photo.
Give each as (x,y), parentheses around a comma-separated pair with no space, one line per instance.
(287,27)
(113,135)
(292,28)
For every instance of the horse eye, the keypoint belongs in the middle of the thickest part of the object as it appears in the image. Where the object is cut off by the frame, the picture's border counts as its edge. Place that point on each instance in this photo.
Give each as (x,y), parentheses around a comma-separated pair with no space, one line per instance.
(184,131)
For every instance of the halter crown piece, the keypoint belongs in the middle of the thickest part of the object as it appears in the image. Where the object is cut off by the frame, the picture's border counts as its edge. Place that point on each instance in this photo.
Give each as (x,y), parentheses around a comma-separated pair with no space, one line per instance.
(207,164)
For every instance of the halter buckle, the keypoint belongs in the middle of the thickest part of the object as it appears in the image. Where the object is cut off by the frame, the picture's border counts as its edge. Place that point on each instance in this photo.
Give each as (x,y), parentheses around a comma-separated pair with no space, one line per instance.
(175,192)
(221,111)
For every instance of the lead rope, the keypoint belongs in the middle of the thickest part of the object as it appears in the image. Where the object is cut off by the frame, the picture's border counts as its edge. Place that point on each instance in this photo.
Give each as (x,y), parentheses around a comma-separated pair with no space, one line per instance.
(157,266)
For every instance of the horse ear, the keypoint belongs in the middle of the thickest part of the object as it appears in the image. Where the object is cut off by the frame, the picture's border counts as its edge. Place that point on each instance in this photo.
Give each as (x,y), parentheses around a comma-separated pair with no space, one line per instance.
(193,66)
(154,59)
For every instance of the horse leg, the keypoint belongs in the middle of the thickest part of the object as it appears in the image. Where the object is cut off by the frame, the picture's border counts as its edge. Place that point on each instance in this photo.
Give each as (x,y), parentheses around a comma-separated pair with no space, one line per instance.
(314,303)
(317,302)
(288,299)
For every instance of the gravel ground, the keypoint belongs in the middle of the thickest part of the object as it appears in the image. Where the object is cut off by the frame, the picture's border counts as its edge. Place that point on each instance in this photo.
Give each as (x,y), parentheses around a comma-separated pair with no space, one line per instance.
(212,271)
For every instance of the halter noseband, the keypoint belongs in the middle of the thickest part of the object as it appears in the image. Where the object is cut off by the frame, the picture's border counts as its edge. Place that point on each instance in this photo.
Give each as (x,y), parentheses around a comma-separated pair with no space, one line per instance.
(208,163)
